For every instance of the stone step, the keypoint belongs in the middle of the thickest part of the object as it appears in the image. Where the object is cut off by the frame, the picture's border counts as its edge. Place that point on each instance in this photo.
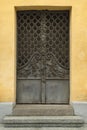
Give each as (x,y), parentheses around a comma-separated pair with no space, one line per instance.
(43,121)
(43,110)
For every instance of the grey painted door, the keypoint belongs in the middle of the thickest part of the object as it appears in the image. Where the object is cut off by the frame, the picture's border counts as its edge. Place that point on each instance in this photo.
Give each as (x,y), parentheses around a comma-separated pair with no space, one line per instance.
(43,57)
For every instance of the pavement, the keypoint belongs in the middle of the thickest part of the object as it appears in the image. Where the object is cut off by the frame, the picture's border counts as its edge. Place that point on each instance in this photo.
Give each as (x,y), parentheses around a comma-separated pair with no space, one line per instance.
(43,128)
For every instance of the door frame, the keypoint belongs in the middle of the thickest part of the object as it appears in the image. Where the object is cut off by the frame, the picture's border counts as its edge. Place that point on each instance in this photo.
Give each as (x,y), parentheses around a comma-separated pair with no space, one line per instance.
(69,8)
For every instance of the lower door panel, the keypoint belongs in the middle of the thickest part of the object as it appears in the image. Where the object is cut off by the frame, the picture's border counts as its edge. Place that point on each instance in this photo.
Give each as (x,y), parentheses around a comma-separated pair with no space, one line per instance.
(28,91)
(57,91)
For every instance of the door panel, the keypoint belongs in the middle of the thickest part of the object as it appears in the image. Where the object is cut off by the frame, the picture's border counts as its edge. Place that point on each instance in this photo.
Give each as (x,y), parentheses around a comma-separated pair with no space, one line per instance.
(43,56)
(28,57)
(57,91)
(29,91)
(57,57)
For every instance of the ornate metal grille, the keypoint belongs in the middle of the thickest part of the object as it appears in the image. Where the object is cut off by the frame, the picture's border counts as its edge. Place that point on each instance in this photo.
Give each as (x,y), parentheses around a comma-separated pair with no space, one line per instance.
(43,44)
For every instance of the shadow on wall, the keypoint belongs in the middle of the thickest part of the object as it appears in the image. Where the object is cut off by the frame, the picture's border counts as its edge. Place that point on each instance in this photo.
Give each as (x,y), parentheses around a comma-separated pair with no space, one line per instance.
(5,109)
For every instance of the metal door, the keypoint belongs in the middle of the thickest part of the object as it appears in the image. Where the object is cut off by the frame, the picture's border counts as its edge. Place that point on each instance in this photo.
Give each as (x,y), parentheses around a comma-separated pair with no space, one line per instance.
(43,56)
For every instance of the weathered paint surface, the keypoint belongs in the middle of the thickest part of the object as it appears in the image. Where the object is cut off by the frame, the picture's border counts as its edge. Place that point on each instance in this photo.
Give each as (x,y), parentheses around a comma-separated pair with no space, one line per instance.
(78,44)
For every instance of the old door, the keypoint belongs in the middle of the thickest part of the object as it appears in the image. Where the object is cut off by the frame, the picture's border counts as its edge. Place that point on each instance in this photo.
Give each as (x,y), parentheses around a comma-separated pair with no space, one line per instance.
(43,56)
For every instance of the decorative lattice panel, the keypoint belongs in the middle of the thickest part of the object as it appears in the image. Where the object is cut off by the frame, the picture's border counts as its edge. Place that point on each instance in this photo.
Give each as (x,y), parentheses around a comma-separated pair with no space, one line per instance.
(57,43)
(43,43)
(28,43)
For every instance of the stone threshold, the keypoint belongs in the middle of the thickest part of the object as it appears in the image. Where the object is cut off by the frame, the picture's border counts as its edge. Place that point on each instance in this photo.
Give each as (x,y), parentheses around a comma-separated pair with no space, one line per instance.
(43,121)
(42,110)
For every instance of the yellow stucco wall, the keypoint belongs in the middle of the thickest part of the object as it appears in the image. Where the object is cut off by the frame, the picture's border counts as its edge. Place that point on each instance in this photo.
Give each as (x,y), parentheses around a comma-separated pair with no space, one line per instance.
(78,45)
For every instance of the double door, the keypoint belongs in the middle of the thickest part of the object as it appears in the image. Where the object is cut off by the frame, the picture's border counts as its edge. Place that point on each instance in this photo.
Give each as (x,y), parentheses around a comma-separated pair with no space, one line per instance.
(42,57)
